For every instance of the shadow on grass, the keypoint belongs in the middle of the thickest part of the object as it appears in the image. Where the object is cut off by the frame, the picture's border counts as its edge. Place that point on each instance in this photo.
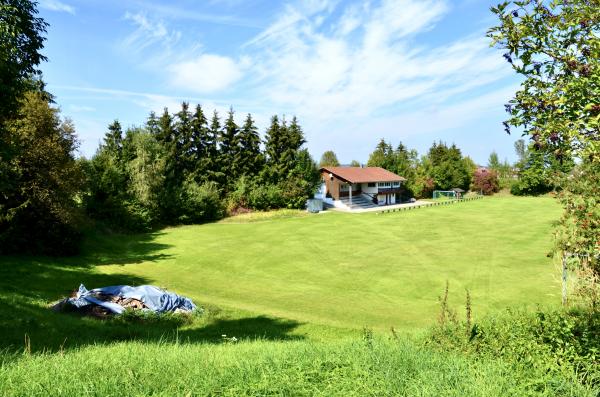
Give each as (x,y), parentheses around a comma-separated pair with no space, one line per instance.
(246,328)
(29,284)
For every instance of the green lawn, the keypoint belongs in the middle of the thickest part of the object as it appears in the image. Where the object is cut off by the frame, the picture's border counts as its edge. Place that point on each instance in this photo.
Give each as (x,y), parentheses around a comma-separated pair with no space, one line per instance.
(351,270)
(292,276)
(296,290)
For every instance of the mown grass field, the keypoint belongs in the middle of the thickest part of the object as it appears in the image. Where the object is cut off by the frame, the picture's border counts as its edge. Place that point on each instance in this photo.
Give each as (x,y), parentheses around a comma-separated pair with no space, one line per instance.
(354,270)
(296,290)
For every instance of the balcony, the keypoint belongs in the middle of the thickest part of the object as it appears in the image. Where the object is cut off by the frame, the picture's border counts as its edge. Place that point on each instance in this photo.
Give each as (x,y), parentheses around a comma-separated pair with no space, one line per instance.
(389,190)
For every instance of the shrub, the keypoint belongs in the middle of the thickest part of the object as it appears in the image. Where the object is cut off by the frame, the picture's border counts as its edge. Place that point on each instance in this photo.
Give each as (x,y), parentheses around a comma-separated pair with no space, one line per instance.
(294,193)
(200,202)
(542,347)
(485,181)
(265,197)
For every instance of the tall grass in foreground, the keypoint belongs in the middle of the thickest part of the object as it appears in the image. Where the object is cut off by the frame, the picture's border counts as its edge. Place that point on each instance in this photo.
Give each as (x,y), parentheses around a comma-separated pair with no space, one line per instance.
(344,368)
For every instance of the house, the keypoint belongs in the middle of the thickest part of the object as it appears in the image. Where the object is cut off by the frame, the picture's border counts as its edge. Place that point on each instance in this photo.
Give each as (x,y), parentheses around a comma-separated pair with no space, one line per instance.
(361,187)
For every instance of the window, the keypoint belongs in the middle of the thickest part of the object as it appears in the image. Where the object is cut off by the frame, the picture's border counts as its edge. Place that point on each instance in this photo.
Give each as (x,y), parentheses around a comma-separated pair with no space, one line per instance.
(385,184)
(371,184)
(396,184)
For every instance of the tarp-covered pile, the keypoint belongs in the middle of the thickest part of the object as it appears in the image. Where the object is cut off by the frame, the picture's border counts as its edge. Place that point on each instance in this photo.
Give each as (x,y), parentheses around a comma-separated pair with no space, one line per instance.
(116,299)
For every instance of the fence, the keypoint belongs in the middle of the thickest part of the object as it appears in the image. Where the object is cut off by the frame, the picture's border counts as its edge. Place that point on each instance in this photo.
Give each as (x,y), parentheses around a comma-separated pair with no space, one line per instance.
(414,207)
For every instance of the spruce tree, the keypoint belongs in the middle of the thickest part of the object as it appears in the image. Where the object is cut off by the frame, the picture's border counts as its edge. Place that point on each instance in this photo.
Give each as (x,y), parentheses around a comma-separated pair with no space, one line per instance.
(249,156)
(200,145)
(273,149)
(295,135)
(113,140)
(152,124)
(216,172)
(229,148)
(184,156)
(382,156)
(165,131)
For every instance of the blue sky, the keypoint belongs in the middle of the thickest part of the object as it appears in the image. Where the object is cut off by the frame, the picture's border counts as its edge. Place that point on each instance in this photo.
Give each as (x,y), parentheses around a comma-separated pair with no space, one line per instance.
(353,72)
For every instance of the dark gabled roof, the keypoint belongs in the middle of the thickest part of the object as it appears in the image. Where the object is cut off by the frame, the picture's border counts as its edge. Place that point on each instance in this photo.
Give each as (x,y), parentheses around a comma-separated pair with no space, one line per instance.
(363,174)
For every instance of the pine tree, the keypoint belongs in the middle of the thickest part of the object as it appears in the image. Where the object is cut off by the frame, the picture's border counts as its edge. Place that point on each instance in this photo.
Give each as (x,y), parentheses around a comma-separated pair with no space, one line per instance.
(249,157)
(229,149)
(113,140)
(200,145)
(184,156)
(282,146)
(273,149)
(382,156)
(152,124)
(295,135)
(216,172)
(165,131)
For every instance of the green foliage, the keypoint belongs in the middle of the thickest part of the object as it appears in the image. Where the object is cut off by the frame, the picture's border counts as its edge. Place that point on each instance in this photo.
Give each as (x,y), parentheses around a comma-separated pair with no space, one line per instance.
(200,203)
(443,168)
(229,150)
(250,160)
(448,168)
(234,367)
(555,47)
(538,171)
(39,214)
(21,40)
(382,156)
(355,163)
(282,145)
(533,179)
(579,227)
(402,162)
(146,170)
(544,349)
(329,159)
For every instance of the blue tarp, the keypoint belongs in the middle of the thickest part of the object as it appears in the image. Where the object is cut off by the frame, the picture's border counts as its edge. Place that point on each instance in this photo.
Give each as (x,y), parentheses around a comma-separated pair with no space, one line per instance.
(154,298)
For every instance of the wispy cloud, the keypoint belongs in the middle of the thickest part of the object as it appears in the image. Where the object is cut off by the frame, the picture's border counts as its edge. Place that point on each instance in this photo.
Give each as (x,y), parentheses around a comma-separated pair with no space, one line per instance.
(189,13)
(56,5)
(149,33)
(81,108)
(368,61)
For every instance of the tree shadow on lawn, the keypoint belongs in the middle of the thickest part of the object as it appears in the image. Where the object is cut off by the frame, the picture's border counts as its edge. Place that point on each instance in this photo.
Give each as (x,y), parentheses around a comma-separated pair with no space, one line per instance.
(29,284)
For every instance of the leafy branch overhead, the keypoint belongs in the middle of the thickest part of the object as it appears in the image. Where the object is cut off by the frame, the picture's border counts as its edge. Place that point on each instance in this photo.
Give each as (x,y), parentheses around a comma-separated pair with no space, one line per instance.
(555,46)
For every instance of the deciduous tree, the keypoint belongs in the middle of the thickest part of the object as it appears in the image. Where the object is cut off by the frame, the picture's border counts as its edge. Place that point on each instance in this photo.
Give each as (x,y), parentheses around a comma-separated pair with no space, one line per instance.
(329,159)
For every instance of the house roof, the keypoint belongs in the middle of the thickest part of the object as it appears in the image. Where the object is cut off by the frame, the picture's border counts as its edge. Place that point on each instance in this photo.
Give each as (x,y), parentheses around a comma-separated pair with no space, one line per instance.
(363,174)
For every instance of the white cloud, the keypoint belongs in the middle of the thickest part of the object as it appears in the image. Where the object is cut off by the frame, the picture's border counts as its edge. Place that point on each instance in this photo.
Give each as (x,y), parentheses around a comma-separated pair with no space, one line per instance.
(56,5)
(205,73)
(367,61)
(148,35)
(171,11)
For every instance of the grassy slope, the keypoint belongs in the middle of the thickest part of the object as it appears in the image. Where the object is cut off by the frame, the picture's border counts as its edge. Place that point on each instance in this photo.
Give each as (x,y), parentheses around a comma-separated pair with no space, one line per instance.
(380,270)
(343,368)
(350,270)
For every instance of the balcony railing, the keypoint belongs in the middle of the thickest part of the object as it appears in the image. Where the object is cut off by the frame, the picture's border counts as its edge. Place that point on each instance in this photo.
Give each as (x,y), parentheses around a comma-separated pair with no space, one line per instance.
(389,190)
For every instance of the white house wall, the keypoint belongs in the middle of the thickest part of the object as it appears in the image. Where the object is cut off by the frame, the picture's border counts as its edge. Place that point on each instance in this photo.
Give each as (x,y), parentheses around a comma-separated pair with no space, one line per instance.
(370,190)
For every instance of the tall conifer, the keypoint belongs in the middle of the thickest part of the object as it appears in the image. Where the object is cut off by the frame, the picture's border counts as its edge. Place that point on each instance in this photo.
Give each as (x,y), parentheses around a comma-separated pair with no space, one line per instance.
(249,156)
(228,148)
